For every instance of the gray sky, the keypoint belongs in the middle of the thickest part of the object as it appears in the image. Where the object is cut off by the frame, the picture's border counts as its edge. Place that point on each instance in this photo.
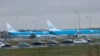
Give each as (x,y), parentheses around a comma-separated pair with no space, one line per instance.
(60,12)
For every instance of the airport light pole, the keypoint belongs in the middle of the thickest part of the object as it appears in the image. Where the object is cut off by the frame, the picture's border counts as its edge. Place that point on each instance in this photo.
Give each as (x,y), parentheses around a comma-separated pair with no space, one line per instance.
(35,24)
(78,30)
(89,18)
(18,30)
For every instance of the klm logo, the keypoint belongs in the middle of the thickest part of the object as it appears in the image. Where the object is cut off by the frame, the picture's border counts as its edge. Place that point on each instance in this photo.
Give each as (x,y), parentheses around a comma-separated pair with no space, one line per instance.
(10,29)
(51,27)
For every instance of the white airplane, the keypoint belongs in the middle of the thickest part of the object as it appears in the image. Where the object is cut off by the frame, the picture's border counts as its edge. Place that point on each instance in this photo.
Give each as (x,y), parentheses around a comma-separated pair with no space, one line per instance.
(13,32)
(55,31)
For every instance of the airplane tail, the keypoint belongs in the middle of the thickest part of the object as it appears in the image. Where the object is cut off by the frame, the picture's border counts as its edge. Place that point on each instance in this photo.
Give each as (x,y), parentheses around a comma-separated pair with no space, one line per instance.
(51,26)
(9,28)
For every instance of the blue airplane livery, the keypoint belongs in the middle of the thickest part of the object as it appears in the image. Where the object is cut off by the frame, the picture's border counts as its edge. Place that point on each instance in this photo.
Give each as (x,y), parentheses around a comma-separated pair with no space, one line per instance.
(26,33)
(55,31)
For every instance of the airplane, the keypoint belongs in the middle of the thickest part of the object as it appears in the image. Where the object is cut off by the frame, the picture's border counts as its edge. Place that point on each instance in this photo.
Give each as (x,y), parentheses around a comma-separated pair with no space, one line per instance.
(55,31)
(15,33)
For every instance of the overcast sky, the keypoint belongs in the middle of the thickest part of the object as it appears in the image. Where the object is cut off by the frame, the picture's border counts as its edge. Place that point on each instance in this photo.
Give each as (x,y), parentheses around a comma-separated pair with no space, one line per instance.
(25,14)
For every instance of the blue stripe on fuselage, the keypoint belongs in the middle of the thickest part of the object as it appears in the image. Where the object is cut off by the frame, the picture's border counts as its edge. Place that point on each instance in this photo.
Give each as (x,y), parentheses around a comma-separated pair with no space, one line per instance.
(28,33)
(73,31)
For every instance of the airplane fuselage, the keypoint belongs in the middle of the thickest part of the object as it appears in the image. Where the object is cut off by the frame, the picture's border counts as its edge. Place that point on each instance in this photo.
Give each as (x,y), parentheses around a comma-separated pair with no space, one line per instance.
(24,34)
(74,31)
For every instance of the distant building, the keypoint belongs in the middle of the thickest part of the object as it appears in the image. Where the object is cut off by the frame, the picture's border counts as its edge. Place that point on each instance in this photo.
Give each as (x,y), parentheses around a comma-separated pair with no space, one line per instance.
(3,34)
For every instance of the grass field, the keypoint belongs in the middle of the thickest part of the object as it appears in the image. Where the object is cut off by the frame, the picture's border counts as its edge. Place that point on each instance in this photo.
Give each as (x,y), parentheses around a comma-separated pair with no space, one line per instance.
(53,51)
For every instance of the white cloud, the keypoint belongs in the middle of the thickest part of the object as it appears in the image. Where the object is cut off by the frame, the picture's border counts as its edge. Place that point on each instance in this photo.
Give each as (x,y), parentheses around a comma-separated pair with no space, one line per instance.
(37,7)
(55,10)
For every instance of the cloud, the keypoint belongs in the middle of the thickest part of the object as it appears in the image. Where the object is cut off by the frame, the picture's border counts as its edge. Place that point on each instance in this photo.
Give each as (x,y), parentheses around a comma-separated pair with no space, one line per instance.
(55,10)
(38,7)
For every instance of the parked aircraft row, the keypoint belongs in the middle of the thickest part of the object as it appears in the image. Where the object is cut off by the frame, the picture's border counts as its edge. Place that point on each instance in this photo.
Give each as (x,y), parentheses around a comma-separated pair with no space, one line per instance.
(52,31)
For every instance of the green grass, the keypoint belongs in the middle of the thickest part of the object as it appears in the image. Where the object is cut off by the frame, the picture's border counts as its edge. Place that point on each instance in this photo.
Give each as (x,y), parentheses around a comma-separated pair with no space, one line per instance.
(51,51)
